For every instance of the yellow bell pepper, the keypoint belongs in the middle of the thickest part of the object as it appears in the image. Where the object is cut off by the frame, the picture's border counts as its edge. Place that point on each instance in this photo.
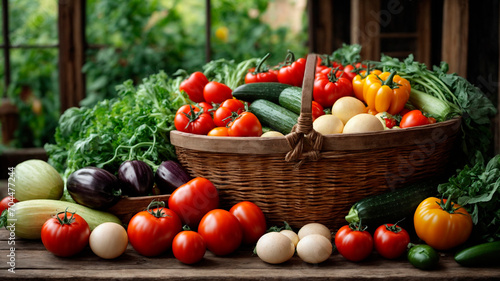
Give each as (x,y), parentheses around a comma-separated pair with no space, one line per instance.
(358,82)
(387,92)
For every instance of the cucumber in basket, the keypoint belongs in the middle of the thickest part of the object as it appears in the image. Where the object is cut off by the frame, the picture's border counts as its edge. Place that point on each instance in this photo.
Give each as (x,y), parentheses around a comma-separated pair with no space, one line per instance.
(263,90)
(393,206)
(291,99)
(274,116)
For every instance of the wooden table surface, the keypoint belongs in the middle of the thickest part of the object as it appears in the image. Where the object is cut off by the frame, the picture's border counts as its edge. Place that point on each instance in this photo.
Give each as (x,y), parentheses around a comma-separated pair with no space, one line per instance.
(33,262)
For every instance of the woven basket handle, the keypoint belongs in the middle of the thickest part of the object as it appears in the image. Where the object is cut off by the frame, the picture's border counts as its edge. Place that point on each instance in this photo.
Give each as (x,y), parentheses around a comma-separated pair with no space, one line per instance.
(303,136)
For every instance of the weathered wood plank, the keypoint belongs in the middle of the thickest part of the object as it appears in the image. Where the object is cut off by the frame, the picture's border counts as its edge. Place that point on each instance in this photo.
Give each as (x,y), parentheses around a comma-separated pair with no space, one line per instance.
(455,35)
(33,262)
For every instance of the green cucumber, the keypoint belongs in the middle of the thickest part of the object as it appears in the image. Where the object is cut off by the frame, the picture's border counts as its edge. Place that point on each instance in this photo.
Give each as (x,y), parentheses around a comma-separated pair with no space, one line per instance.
(274,116)
(393,206)
(263,90)
(479,255)
(291,99)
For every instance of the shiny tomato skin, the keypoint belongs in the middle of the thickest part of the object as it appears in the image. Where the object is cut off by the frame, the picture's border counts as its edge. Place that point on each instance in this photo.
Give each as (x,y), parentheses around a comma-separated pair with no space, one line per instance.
(207,108)
(246,125)
(222,116)
(317,110)
(150,235)
(327,90)
(266,76)
(192,200)
(194,85)
(353,245)
(252,221)
(188,247)
(391,244)
(6,201)
(293,74)
(234,105)
(216,92)
(65,240)
(413,118)
(218,132)
(189,119)
(221,231)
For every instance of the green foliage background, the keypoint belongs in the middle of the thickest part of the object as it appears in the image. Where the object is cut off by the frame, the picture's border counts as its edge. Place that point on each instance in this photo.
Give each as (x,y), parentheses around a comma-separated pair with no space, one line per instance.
(130,40)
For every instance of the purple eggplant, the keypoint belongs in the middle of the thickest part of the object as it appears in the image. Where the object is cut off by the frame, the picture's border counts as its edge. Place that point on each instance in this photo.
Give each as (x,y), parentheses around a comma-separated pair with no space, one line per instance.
(169,176)
(136,178)
(94,187)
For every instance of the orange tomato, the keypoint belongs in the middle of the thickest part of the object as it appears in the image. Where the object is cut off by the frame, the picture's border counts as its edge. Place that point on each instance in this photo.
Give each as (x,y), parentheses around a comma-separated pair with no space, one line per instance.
(442,226)
(219,132)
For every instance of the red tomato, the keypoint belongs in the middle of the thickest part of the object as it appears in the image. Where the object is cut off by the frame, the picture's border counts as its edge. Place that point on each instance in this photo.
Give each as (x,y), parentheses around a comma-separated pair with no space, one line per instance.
(292,72)
(252,221)
(221,231)
(188,247)
(193,86)
(151,232)
(353,243)
(218,132)
(261,73)
(317,110)
(207,108)
(192,200)
(328,88)
(215,92)
(245,125)
(65,235)
(391,241)
(190,119)
(228,111)
(7,202)
(413,118)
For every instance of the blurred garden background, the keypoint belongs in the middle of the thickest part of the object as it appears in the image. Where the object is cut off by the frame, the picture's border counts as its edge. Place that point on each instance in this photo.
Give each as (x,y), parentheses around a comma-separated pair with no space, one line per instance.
(131,40)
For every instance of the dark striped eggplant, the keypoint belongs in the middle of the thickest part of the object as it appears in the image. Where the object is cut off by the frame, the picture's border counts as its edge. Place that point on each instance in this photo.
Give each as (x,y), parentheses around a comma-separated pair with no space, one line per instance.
(169,176)
(136,178)
(94,187)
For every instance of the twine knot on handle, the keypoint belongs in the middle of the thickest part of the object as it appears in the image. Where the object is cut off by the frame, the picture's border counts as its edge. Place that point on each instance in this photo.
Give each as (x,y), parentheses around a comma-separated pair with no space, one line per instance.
(303,136)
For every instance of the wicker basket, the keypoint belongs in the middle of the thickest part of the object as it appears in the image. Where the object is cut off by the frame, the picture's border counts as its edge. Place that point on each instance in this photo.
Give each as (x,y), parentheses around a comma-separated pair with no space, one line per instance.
(306,177)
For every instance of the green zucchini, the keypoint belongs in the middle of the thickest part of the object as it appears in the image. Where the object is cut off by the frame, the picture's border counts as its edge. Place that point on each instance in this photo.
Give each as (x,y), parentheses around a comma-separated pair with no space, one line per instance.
(393,206)
(291,99)
(26,218)
(479,255)
(274,116)
(263,90)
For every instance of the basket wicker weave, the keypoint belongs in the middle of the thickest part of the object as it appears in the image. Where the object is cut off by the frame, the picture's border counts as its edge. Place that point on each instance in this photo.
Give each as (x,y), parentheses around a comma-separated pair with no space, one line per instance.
(306,177)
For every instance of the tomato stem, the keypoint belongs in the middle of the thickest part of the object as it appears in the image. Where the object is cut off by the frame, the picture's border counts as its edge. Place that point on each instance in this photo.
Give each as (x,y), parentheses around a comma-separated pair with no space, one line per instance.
(157,204)
(259,65)
(65,220)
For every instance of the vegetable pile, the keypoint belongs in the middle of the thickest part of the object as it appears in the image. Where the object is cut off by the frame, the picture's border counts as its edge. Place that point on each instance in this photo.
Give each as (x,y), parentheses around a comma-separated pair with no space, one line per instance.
(120,147)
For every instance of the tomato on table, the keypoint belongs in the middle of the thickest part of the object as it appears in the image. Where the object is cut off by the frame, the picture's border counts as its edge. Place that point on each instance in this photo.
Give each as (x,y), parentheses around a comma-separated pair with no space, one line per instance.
(188,247)
(221,231)
(66,234)
(441,223)
(391,240)
(353,242)
(7,202)
(192,200)
(152,231)
(252,221)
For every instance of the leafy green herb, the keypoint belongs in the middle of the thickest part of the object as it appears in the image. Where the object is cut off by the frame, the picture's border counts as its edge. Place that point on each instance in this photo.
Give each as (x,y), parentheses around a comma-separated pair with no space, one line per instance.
(347,54)
(478,190)
(134,125)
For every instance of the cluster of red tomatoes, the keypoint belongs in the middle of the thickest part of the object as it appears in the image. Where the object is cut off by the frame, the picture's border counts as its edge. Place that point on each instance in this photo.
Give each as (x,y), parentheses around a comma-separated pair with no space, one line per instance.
(354,243)
(229,118)
(190,224)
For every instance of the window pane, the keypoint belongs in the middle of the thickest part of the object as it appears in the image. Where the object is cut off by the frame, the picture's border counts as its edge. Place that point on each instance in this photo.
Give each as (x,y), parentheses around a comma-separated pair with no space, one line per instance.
(35,84)
(33,22)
